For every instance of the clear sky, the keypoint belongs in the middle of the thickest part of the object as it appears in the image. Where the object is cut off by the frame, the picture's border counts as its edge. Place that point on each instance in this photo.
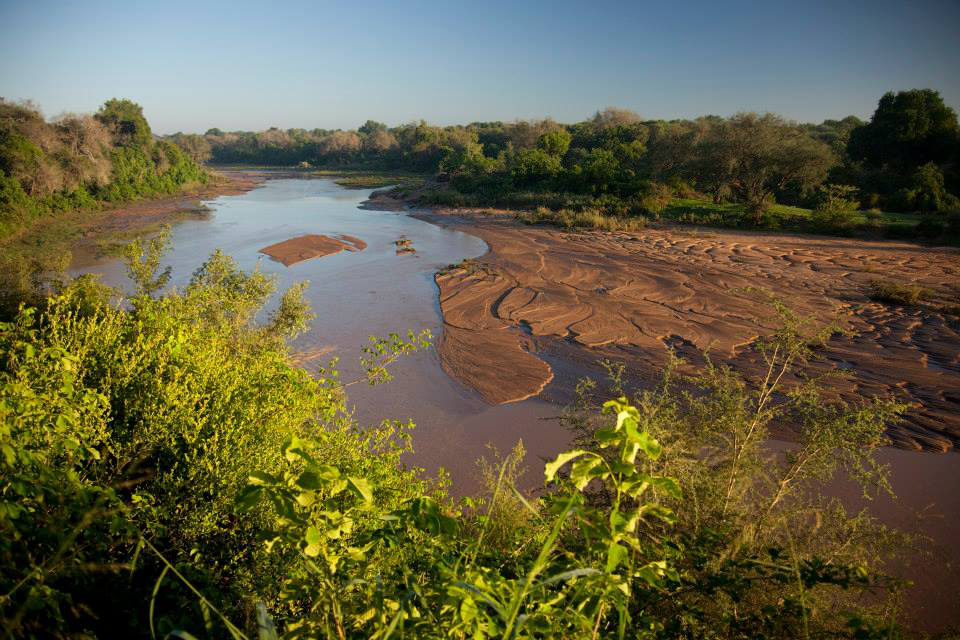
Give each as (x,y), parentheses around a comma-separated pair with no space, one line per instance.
(250,65)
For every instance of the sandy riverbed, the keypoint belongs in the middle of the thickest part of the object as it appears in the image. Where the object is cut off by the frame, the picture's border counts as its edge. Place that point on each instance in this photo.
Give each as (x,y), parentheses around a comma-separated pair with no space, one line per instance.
(542,295)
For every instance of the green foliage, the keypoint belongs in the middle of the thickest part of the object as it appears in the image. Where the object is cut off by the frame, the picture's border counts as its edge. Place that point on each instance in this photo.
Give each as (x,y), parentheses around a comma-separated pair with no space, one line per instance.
(589,219)
(763,554)
(836,198)
(164,467)
(534,166)
(908,129)
(124,430)
(79,162)
(555,143)
(416,569)
(768,168)
(906,295)
(125,120)
(927,193)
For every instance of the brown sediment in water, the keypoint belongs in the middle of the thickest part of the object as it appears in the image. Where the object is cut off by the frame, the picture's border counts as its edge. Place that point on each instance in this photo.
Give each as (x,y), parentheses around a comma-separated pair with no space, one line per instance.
(359,245)
(575,297)
(308,357)
(310,246)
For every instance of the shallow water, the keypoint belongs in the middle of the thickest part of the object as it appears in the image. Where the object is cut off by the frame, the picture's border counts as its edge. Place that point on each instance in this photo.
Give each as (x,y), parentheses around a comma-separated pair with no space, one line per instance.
(359,294)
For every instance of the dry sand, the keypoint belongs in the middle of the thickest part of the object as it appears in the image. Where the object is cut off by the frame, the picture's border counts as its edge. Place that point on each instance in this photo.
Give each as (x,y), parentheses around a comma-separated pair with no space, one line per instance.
(310,246)
(573,297)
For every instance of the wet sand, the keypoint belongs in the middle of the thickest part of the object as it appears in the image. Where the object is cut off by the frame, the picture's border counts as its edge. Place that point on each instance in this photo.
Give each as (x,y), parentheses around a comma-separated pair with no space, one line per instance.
(310,246)
(544,303)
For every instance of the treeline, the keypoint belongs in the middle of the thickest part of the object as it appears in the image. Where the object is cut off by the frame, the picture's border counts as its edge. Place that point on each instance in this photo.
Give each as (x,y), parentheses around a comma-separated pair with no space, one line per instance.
(904,159)
(81,161)
(164,467)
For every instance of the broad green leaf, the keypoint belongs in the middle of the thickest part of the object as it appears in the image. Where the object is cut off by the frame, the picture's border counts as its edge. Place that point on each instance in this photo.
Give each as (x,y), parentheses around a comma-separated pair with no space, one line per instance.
(551,469)
(361,488)
(306,498)
(313,538)
(582,471)
(261,478)
(616,553)
(309,480)
(468,609)
(292,449)
(249,497)
(650,445)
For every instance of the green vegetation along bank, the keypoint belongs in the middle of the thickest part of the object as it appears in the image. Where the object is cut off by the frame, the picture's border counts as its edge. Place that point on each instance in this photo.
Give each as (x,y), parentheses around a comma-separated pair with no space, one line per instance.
(82,162)
(755,171)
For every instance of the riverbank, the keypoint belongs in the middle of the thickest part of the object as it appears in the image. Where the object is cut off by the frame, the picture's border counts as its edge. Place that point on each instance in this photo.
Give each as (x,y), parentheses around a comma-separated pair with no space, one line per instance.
(571,298)
(77,238)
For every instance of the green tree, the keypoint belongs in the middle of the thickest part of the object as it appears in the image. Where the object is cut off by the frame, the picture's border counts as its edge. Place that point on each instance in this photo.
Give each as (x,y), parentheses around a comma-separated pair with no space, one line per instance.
(908,129)
(534,165)
(371,126)
(125,120)
(555,143)
(754,157)
(927,192)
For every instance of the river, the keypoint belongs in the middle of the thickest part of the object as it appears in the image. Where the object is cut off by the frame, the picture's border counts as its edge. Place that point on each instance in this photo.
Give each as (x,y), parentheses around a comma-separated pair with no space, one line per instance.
(366,293)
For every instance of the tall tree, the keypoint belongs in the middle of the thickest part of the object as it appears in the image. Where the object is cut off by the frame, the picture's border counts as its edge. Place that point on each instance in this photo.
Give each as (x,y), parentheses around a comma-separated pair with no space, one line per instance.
(908,129)
(753,157)
(126,122)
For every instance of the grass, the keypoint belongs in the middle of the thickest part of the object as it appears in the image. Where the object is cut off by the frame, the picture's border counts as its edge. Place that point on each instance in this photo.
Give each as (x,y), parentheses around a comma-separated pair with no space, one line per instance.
(906,295)
(470,265)
(355,179)
(589,219)
(872,224)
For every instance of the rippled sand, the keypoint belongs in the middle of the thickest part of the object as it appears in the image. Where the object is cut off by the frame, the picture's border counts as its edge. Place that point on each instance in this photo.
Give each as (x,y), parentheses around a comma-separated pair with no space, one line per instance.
(570,296)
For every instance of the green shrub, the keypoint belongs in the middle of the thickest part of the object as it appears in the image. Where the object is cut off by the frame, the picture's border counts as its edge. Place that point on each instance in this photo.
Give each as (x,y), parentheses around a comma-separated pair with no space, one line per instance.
(899,294)
(122,428)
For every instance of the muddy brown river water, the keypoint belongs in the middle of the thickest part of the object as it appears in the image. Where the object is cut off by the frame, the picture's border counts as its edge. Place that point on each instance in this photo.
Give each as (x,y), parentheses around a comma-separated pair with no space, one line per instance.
(380,289)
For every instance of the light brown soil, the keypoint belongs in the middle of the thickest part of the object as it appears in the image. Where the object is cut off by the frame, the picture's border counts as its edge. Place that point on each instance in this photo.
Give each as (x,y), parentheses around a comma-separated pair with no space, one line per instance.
(308,247)
(576,297)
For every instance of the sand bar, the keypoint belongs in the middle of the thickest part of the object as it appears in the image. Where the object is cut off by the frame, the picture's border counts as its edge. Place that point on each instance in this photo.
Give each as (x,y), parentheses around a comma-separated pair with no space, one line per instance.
(310,246)
(574,297)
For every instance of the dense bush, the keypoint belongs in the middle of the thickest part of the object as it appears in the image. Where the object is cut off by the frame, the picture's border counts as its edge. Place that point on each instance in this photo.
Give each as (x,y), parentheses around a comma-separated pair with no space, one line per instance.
(130,428)
(165,468)
(79,162)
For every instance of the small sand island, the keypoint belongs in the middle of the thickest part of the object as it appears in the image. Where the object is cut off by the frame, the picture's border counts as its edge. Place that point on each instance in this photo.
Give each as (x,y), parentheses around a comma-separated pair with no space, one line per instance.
(310,246)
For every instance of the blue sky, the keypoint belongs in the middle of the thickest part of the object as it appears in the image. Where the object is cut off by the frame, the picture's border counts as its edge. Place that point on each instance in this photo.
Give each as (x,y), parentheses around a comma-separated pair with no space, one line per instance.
(252,65)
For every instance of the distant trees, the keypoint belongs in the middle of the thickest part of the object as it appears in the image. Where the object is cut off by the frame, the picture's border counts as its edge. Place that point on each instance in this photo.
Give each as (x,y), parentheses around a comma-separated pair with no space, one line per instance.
(615,155)
(195,146)
(615,117)
(907,156)
(126,122)
(555,143)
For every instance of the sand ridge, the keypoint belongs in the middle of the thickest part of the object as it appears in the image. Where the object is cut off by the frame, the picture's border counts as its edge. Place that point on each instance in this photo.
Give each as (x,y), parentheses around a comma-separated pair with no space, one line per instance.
(541,290)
